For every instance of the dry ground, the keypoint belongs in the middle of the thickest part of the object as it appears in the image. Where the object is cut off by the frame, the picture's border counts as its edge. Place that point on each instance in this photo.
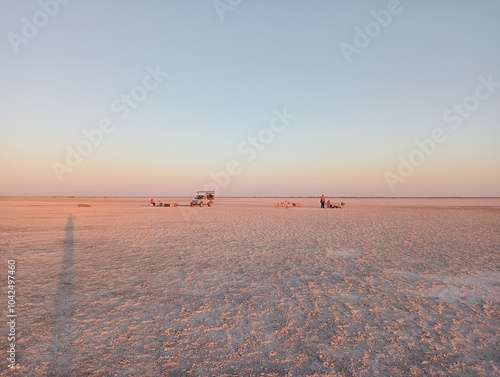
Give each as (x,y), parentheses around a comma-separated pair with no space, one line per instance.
(383,287)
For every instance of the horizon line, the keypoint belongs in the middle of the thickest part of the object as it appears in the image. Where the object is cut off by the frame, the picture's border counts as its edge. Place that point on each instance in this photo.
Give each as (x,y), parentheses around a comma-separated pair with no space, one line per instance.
(253,197)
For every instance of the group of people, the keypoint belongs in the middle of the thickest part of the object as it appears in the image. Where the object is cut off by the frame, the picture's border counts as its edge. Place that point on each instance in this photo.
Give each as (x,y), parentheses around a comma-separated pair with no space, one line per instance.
(152,203)
(287,204)
(329,204)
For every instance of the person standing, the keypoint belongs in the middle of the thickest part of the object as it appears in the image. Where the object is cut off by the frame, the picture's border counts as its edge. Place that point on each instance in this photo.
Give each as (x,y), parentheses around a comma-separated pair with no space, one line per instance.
(322,201)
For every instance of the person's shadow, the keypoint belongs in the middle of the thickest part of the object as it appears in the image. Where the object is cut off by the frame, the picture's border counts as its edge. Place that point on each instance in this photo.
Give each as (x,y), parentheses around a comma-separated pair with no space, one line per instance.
(60,355)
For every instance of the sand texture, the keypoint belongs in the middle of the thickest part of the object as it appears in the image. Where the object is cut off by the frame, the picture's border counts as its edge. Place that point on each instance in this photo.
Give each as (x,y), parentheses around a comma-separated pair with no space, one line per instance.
(382,287)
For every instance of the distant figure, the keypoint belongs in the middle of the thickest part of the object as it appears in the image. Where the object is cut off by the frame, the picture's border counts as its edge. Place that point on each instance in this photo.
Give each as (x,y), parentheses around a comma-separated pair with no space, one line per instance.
(328,205)
(152,202)
(322,201)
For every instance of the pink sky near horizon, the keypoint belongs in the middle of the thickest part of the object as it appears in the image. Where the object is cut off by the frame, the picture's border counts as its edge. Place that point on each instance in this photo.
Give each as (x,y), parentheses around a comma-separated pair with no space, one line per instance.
(118,179)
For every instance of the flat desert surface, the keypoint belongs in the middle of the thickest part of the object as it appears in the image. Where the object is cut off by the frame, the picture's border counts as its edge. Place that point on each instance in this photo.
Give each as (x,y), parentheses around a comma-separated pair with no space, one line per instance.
(381,287)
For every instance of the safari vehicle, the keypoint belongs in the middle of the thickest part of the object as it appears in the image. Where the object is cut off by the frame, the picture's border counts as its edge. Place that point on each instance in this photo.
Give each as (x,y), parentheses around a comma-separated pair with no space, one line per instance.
(203,197)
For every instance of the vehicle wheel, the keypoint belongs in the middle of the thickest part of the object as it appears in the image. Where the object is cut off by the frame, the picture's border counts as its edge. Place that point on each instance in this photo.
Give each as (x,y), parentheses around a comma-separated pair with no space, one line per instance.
(201,204)
(192,205)
(209,204)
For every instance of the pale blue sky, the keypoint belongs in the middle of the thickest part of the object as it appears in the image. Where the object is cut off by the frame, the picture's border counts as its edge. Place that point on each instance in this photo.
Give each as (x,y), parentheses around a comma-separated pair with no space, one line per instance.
(353,120)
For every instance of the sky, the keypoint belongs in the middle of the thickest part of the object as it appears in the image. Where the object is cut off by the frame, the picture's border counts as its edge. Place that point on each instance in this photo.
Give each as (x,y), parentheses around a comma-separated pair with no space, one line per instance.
(250,98)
